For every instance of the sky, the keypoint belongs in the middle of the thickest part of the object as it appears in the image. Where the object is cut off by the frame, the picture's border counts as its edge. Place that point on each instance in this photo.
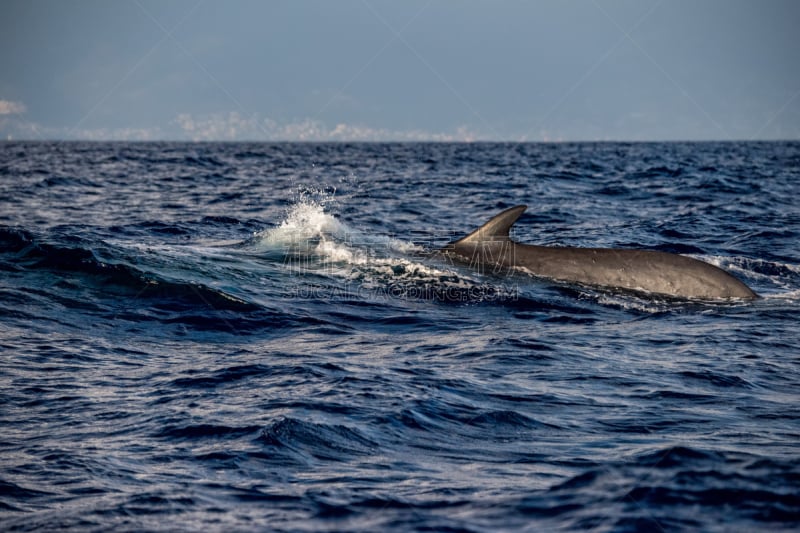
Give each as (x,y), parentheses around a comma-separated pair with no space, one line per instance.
(386,70)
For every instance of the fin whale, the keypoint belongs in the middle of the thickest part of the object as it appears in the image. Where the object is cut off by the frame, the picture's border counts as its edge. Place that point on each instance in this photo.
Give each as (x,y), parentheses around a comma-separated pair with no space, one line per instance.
(490,249)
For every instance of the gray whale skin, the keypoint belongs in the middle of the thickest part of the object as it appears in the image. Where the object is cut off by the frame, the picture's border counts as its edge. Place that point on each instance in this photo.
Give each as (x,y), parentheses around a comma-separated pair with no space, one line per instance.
(490,249)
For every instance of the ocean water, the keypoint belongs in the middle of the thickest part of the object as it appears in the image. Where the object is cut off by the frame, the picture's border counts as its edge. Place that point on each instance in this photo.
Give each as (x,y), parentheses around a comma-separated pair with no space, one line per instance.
(253,337)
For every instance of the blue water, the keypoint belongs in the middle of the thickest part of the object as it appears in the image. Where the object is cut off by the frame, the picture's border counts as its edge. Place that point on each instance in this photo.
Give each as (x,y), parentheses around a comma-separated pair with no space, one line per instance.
(226,337)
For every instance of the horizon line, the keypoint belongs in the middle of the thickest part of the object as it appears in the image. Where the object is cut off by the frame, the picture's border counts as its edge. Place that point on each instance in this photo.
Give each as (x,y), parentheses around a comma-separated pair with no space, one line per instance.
(398,141)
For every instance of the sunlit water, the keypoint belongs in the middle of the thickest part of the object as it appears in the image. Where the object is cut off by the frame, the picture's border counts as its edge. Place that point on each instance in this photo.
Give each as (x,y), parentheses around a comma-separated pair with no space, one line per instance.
(255,337)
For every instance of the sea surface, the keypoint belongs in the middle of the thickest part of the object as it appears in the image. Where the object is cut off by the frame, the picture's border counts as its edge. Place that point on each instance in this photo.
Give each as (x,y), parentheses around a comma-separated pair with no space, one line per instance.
(256,337)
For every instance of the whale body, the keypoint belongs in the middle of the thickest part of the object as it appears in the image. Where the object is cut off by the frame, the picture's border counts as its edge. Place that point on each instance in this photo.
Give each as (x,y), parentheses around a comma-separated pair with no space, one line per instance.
(490,249)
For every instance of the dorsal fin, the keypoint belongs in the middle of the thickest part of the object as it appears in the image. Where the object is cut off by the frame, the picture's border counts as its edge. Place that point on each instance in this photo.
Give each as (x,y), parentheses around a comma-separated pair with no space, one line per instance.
(496,229)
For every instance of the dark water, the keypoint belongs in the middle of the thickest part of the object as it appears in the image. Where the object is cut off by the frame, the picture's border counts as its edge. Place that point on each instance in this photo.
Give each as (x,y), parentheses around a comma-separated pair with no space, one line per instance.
(242,337)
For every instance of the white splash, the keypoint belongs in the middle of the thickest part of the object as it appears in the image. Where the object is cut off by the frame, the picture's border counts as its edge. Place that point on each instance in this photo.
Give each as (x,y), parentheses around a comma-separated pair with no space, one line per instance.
(313,241)
(304,222)
(307,227)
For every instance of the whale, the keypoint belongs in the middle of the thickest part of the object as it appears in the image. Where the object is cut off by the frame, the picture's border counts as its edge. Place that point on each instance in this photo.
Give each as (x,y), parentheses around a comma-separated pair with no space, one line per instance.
(490,250)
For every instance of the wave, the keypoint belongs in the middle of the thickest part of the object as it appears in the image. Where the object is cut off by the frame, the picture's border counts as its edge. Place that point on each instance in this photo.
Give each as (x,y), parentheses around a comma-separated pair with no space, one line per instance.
(78,274)
(223,377)
(774,280)
(177,432)
(322,441)
(668,479)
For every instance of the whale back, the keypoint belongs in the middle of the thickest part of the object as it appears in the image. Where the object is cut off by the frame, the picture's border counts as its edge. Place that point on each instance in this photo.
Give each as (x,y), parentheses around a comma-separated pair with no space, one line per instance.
(490,249)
